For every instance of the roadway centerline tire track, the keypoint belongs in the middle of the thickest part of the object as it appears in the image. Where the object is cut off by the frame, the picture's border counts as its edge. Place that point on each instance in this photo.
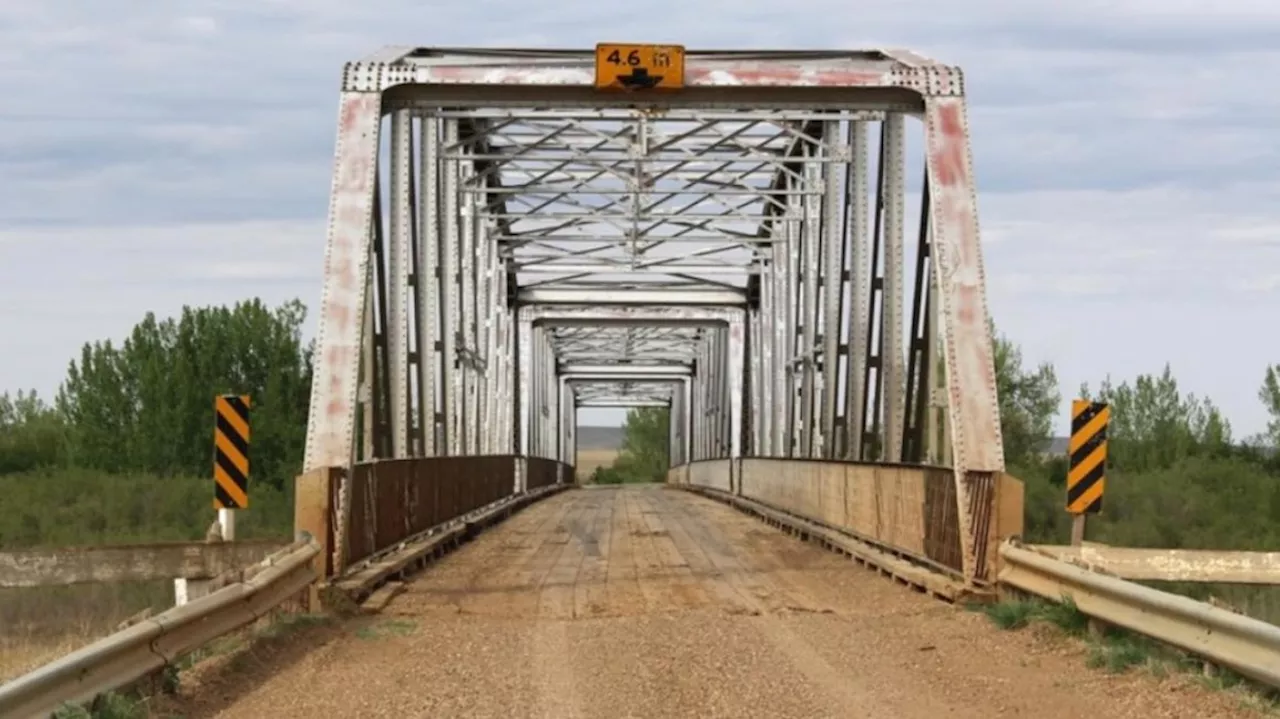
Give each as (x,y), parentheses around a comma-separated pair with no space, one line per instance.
(847,691)
(549,653)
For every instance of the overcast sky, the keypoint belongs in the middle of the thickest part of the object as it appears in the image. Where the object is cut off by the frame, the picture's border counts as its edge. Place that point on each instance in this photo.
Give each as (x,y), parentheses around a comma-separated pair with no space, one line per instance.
(1127,151)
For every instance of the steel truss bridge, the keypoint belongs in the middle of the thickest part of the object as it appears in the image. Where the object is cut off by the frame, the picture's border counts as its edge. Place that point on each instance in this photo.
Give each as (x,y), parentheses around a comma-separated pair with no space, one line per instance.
(508,243)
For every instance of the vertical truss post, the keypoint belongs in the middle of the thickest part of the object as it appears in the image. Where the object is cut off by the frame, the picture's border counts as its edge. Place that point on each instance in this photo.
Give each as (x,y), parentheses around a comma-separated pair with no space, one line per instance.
(831,283)
(810,229)
(858,320)
(735,358)
(428,282)
(893,295)
(524,385)
(466,300)
(449,300)
(796,432)
(399,268)
(780,313)
(536,396)
(380,370)
(752,424)
(368,410)
(872,442)
(919,389)
(762,355)
(690,406)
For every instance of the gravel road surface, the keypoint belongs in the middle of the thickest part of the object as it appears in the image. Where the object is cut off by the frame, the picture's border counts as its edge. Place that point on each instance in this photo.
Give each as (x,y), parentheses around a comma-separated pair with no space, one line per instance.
(652,602)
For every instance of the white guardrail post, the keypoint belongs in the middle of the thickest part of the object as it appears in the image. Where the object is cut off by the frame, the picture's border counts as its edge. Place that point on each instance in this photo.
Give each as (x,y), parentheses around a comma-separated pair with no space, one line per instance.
(130,654)
(1245,645)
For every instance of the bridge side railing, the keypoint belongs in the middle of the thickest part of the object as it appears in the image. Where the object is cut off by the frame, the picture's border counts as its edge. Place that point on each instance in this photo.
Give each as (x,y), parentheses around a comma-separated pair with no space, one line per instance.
(907,510)
(359,514)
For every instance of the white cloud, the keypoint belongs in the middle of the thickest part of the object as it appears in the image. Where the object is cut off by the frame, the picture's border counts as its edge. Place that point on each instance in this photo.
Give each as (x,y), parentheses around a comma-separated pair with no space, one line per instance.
(163,154)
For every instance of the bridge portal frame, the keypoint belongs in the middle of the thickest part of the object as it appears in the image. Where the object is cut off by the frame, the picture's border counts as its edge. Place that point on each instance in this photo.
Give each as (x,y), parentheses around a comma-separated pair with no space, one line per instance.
(399,81)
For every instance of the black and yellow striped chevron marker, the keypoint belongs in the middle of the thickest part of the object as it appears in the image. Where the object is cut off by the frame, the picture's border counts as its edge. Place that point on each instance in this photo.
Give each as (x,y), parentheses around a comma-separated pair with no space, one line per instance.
(231,452)
(1087,467)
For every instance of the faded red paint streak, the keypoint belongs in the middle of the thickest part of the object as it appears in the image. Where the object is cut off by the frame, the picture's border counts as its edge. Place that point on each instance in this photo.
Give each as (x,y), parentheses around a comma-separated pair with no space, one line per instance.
(947,157)
(959,224)
(785,76)
(491,75)
(359,119)
(351,111)
(694,75)
(966,299)
(336,407)
(339,313)
(342,270)
(336,356)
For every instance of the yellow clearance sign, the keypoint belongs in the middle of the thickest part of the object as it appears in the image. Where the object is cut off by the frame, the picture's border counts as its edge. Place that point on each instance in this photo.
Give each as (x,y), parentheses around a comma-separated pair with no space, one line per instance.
(623,67)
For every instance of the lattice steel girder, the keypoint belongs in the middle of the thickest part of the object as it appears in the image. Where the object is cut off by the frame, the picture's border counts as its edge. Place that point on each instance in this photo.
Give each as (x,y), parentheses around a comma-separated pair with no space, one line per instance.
(621,403)
(822,281)
(638,296)
(581,370)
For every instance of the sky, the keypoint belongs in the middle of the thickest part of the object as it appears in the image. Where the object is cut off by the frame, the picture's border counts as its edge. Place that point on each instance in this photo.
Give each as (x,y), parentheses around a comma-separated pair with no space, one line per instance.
(1127,154)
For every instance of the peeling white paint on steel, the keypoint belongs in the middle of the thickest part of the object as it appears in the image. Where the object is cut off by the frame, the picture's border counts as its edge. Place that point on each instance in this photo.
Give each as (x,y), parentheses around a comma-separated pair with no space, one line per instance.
(330,425)
(1173,565)
(970,364)
(710,74)
(970,370)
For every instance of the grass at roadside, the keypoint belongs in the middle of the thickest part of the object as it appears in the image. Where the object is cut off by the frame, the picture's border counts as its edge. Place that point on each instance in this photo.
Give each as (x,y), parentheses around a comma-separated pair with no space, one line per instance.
(40,624)
(1117,650)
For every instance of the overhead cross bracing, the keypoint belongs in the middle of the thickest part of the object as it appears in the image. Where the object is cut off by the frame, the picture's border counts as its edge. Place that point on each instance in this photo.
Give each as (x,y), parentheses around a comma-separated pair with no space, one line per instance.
(736,248)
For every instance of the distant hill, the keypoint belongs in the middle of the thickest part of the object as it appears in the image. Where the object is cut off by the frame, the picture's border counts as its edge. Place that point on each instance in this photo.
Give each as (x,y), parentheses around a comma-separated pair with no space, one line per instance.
(599,438)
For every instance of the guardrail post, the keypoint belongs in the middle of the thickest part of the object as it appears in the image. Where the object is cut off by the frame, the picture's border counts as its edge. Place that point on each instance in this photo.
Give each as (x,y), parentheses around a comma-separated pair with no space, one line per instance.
(312,513)
(185,590)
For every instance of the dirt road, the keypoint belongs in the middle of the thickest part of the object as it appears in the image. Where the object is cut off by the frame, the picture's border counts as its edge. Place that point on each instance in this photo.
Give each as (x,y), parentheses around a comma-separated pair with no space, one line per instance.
(651,602)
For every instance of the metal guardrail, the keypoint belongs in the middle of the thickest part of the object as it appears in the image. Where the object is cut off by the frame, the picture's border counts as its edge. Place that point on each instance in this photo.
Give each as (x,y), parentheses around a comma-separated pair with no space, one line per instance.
(1243,644)
(130,654)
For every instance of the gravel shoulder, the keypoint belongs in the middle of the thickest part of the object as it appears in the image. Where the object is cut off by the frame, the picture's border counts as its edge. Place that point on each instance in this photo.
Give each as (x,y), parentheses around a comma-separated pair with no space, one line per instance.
(651,602)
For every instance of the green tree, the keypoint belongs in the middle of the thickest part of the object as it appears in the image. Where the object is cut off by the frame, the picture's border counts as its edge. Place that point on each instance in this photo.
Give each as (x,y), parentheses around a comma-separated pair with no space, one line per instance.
(1153,426)
(147,405)
(32,435)
(1029,398)
(1270,396)
(645,445)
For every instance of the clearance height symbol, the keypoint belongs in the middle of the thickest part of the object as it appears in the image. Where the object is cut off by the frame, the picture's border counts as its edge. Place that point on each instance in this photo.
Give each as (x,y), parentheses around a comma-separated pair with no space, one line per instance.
(629,67)
(231,452)
(1087,468)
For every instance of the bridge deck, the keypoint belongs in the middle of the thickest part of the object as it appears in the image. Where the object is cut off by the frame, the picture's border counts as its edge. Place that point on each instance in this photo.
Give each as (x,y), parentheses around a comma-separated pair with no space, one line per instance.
(644,601)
